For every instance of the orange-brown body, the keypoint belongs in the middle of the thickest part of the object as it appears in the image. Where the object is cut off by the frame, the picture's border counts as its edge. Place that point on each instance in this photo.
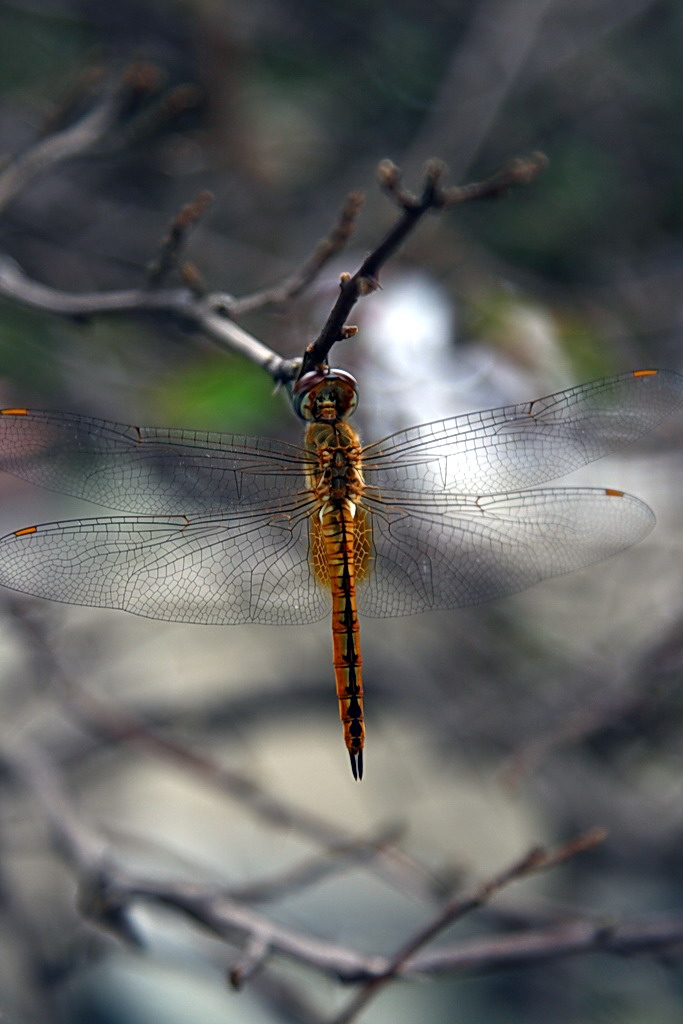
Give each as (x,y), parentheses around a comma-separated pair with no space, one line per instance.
(340,553)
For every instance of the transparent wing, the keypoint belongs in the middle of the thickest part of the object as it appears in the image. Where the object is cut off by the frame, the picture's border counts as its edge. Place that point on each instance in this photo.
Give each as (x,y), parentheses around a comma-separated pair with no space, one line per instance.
(148,470)
(253,567)
(466,551)
(520,446)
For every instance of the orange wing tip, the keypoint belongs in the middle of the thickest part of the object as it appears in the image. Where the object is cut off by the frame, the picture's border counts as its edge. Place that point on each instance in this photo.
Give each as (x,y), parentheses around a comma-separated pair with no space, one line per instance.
(645,373)
(613,494)
(356,757)
(14,412)
(27,529)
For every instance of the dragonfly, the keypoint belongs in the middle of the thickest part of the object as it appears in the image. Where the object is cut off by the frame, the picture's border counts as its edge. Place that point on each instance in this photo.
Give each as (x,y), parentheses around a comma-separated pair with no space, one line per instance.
(225,529)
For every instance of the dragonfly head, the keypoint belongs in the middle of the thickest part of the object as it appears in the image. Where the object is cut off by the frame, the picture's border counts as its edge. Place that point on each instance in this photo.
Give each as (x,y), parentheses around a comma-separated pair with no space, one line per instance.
(325,395)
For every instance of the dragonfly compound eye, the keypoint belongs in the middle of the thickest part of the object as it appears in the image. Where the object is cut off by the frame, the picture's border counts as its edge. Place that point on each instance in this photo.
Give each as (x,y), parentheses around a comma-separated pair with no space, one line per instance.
(325,395)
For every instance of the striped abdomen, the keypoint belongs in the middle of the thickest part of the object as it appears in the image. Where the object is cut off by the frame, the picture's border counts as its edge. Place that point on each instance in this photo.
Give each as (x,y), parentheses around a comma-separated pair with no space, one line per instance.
(340,555)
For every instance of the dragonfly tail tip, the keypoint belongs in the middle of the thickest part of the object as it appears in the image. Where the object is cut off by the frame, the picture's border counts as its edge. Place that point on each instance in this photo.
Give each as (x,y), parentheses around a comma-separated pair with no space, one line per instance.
(356,757)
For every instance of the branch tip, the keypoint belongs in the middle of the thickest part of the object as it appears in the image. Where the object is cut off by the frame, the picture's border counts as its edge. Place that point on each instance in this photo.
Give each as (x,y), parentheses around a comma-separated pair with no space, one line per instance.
(388,174)
(182,98)
(434,173)
(391,180)
(527,169)
(186,218)
(192,211)
(143,77)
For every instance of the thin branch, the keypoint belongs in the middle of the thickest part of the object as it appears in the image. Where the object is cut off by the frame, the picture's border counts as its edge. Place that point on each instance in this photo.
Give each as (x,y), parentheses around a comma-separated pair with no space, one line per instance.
(206,314)
(176,237)
(210,314)
(302,278)
(114,723)
(335,860)
(645,934)
(75,139)
(61,146)
(111,892)
(434,196)
(214,315)
(387,860)
(531,863)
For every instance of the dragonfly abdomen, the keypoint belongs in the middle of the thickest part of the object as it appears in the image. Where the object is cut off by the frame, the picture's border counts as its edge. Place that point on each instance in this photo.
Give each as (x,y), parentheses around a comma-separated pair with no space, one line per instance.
(335,544)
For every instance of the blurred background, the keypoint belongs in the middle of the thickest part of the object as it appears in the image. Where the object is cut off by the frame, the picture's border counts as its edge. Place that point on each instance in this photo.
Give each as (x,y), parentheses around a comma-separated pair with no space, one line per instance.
(489,729)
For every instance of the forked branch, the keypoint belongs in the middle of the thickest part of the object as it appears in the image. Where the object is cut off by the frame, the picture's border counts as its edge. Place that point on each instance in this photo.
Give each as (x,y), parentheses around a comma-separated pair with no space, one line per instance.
(109,892)
(531,863)
(214,314)
(434,196)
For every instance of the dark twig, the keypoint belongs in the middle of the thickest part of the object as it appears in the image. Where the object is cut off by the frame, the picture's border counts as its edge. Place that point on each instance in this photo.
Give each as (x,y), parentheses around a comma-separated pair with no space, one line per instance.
(214,315)
(211,314)
(302,278)
(205,313)
(156,113)
(434,196)
(174,240)
(137,81)
(60,146)
(108,892)
(631,704)
(118,725)
(362,851)
(387,860)
(536,860)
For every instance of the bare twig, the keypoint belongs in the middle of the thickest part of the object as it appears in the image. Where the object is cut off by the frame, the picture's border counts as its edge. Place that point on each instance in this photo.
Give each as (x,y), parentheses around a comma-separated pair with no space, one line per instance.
(324,251)
(387,860)
(177,233)
(86,86)
(646,934)
(115,724)
(136,81)
(362,851)
(211,314)
(61,146)
(214,315)
(206,314)
(533,862)
(154,114)
(379,853)
(110,891)
(594,715)
(434,196)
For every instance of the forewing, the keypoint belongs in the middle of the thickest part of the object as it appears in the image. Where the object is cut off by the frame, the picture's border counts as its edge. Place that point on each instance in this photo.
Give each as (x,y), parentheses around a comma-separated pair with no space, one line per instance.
(148,470)
(467,551)
(523,445)
(207,569)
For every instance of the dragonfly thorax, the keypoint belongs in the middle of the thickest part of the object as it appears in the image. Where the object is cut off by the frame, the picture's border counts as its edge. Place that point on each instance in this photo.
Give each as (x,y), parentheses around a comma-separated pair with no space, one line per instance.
(336,473)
